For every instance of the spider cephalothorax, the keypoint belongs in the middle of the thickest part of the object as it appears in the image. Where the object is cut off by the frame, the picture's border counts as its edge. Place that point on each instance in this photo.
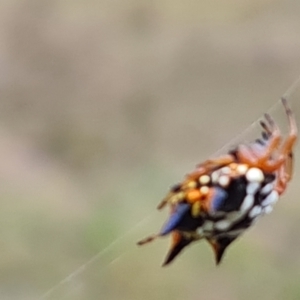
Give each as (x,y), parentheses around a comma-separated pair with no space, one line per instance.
(226,195)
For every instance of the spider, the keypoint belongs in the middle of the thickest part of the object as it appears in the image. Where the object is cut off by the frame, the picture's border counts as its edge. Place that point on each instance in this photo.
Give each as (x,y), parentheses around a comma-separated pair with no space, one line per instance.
(226,195)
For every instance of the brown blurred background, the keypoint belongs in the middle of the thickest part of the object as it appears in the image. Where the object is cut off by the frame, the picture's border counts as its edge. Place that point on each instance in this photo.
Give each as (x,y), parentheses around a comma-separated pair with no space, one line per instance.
(104,105)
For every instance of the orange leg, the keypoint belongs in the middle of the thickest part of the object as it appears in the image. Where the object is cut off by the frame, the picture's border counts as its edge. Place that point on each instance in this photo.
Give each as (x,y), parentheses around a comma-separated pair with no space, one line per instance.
(246,155)
(210,165)
(266,161)
(148,239)
(287,147)
(289,143)
(267,132)
(284,174)
(274,140)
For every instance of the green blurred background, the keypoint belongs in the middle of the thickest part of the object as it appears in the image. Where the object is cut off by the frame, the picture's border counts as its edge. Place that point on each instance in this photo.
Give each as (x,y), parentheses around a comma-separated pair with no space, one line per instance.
(104,105)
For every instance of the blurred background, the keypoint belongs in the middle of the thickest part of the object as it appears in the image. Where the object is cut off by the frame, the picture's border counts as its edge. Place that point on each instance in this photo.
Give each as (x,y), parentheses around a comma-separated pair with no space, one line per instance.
(104,105)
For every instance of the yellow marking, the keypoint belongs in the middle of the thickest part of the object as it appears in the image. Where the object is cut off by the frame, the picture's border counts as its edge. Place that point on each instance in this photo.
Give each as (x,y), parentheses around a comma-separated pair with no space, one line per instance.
(191,184)
(173,200)
(196,208)
(180,195)
(177,197)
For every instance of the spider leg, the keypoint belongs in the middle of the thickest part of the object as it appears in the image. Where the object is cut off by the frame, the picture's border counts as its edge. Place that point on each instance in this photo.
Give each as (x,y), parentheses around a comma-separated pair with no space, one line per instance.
(266,129)
(176,217)
(148,239)
(246,155)
(258,146)
(287,147)
(289,143)
(289,166)
(274,139)
(253,150)
(284,174)
(210,165)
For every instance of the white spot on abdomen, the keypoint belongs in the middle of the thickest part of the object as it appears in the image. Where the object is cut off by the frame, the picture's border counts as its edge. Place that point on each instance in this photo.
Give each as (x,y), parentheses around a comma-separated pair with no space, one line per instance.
(252,187)
(215,176)
(255,211)
(267,189)
(222,225)
(270,199)
(247,203)
(224,180)
(268,209)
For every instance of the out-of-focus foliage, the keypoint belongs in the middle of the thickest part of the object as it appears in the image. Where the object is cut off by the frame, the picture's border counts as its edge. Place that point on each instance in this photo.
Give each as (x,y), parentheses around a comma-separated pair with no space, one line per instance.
(104,105)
